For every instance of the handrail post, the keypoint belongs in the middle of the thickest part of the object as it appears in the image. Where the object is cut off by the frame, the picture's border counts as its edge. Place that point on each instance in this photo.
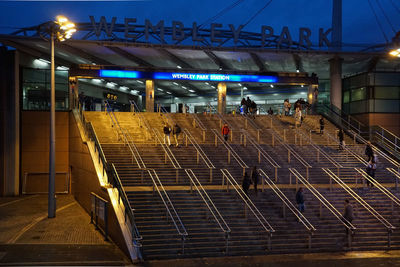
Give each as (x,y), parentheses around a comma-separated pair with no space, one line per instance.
(186,140)
(271,122)
(177,175)
(229,157)
(263,184)
(197,157)
(276,174)
(165,157)
(245,123)
(273,140)
(284,135)
(259,156)
(290,178)
(244,141)
(310,137)
(330,183)
(258,136)
(204,135)
(231,132)
(317,155)
(338,172)
(288,156)
(215,140)
(191,186)
(307,172)
(354,138)
(295,138)
(220,123)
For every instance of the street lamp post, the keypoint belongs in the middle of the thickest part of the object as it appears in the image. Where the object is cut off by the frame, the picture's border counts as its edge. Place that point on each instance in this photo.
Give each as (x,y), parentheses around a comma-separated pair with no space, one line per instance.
(59,30)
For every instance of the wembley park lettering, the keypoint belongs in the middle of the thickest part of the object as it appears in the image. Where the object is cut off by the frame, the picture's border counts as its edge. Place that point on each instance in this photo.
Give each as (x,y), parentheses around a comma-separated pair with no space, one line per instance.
(177,32)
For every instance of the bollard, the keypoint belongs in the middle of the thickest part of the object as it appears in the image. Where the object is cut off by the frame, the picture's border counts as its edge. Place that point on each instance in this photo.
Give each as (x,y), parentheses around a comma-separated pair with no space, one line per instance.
(211,176)
(276,174)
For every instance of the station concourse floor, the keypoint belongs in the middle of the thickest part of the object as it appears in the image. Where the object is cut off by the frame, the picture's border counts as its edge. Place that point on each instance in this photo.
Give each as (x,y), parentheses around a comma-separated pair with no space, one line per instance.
(29,237)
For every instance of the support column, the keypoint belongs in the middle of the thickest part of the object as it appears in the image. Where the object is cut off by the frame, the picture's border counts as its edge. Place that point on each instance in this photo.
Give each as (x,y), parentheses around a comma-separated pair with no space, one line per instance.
(149,96)
(222,98)
(73,93)
(336,81)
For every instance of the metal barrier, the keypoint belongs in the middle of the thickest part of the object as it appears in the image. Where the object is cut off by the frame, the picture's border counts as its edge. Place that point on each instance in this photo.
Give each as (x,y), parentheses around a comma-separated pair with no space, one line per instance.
(287,203)
(210,205)
(231,151)
(386,139)
(109,172)
(197,121)
(380,187)
(323,201)
(199,152)
(248,203)
(363,203)
(25,181)
(99,209)
(171,212)
(261,152)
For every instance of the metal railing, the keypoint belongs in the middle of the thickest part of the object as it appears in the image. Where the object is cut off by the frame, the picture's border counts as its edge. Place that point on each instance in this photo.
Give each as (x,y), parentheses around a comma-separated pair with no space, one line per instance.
(142,119)
(222,120)
(197,121)
(199,152)
(287,203)
(318,149)
(386,139)
(210,205)
(291,151)
(247,203)
(253,124)
(109,171)
(167,153)
(379,186)
(230,149)
(363,203)
(128,210)
(323,201)
(261,152)
(171,212)
(397,174)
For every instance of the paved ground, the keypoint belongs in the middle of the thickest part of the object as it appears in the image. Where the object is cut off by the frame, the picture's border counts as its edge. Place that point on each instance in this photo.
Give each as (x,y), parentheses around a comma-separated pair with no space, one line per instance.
(28,237)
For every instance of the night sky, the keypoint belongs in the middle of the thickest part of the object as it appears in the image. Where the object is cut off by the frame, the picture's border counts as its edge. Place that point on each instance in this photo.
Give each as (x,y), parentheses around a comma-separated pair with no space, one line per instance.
(359,22)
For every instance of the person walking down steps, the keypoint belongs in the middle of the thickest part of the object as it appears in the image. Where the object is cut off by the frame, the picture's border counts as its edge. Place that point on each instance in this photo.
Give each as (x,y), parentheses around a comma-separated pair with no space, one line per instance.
(255,177)
(246,183)
(176,131)
(225,131)
(300,200)
(167,132)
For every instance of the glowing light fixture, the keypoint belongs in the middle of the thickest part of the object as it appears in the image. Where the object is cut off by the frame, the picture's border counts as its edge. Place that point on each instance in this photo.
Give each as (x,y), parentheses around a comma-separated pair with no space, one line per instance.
(395,52)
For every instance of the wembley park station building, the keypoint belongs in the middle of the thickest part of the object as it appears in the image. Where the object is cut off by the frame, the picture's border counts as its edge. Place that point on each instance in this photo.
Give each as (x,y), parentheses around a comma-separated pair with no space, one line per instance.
(118,82)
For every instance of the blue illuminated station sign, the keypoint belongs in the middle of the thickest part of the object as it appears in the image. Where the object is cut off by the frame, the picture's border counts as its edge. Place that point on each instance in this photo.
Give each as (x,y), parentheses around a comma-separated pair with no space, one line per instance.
(206,77)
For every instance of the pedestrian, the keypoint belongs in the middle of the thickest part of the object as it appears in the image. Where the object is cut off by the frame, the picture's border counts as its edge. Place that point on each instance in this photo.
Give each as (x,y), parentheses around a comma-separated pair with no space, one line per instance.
(167,132)
(371,168)
(348,214)
(225,131)
(255,177)
(246,183)
(341,139)
(300,200)
(176,131)
(369,152)
(286,107)
(253,108)
(270,111)
(248,103)
(298,117)
(243,104)
(321,125)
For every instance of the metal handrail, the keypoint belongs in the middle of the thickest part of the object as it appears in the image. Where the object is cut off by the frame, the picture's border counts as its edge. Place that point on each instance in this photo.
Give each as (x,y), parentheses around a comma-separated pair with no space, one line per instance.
(307,224)
(397,174)
(391,147)
(117,126)
(198,121)
(179,226)
(167,150)
(222,119)
(128,208)
(318,149)
(113,176)
(322,199)
(378,185)
(206,198)
(252,207)
(141,117)
(230,149)
(199,150)
(378,151)
(349,151)
(290,149)
(362,202)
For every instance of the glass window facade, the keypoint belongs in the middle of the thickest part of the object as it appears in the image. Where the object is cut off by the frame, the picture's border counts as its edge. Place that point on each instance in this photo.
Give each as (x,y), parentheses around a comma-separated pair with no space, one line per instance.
(375,92)
(36,89)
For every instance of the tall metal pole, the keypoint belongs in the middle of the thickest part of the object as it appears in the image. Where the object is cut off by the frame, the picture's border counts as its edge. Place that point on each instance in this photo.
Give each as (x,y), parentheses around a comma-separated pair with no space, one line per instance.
(52,156)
